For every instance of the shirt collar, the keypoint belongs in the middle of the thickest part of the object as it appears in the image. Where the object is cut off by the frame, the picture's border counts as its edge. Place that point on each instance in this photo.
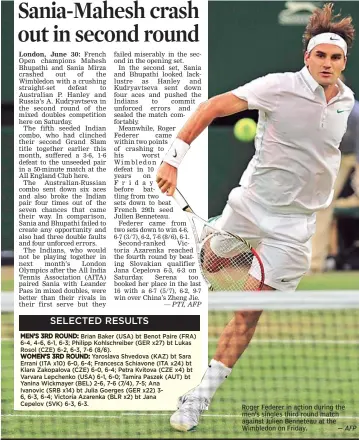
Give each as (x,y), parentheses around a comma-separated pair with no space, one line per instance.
(341,86)
(312,83)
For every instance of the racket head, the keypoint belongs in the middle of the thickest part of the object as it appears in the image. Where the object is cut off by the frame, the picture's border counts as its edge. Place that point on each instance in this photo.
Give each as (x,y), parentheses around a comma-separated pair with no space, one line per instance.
(228,262)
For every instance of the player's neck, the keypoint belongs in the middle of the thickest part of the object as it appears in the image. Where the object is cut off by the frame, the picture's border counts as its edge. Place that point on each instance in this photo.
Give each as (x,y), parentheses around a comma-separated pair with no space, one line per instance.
(330,91)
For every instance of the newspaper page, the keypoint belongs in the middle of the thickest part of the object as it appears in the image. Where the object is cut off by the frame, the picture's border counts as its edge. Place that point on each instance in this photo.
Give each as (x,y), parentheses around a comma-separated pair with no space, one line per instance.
(113,320)
(111,306)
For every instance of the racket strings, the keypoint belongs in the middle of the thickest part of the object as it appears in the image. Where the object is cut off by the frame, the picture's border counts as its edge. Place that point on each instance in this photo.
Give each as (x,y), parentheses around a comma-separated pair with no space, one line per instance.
(228,263)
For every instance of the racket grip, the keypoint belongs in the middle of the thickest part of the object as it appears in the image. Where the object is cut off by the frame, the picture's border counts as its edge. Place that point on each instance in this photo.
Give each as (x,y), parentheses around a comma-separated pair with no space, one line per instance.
(182,202)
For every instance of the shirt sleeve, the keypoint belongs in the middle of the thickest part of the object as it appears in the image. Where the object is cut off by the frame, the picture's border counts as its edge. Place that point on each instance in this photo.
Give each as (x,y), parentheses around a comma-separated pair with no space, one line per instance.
(261,93)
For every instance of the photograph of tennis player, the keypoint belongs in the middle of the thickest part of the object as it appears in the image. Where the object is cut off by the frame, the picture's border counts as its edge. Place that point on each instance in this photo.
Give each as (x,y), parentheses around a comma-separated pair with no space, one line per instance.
(302,119)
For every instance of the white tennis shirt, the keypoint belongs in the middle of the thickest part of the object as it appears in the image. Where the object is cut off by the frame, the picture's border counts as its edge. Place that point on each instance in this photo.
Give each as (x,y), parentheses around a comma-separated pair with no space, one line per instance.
(297,155)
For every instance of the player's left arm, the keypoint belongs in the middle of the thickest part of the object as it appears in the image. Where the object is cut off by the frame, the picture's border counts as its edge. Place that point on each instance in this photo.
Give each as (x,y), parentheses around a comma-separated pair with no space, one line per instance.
(261,94)
(218,106)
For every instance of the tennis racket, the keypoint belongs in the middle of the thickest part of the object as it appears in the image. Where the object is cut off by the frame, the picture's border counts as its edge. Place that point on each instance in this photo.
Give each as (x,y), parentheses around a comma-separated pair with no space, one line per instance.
(227,261)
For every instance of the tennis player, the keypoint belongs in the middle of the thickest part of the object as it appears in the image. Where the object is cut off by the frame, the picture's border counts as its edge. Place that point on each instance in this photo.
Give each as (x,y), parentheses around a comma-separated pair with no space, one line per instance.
(302,119)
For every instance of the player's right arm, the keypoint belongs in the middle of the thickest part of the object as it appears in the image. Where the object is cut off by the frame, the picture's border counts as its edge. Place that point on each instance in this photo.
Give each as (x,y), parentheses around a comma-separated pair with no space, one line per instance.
(216,107)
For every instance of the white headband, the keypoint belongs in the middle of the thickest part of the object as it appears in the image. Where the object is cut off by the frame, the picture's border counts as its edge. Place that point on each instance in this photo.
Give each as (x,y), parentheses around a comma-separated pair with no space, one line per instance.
(328,38)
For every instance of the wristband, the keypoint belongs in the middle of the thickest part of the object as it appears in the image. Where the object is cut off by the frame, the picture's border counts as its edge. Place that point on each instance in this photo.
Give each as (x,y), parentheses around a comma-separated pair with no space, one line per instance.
(176,153)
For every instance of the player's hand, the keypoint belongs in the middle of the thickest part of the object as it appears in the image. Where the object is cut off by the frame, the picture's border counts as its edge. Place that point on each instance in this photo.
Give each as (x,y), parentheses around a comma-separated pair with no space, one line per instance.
(167,178)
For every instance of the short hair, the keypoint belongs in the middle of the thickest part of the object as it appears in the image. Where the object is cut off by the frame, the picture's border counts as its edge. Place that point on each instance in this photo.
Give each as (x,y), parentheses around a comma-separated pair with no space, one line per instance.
(323,20)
